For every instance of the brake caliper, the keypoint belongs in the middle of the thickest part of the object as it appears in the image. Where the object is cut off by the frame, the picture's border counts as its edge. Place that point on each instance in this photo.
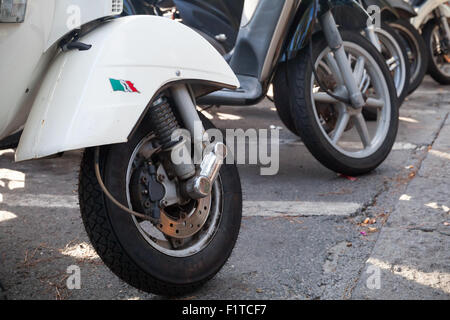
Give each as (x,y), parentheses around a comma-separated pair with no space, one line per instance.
(146,191)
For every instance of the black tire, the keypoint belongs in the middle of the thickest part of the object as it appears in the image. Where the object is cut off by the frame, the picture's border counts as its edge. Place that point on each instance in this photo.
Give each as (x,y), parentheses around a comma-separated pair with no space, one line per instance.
(418,48)
(281,97)
(386,27)
(370,114)
(10,142)
(300,77)
(124,250)
(2,293)
(433,69)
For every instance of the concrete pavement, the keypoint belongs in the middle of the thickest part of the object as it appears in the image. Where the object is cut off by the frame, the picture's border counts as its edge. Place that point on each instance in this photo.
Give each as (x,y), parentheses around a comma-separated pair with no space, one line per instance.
(412,253)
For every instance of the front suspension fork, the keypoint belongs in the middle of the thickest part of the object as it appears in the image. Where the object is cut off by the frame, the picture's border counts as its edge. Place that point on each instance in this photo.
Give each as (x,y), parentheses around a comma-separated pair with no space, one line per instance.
(372,35)
(197,184)
(335,42)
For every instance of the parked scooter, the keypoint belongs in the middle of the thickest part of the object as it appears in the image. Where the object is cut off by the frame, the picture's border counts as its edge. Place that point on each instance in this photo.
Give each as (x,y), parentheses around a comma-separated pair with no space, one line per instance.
(434,19)
(398,15)
(349,75)
(220,20)
(267,42)
(77,76)
(390,44)
(275,34)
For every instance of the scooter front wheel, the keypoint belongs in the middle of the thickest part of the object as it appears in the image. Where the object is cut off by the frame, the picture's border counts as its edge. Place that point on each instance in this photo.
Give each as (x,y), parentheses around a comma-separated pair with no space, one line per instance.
(416,51)
(281,98)
(333,131)
(439,62)
(192,239)
(393,49)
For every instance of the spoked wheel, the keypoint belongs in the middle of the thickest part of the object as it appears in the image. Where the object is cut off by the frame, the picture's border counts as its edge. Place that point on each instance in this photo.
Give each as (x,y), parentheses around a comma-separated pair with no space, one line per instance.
(335,133)
(439,50)
(192,238)
(394,51)
(396,56)
(416,50)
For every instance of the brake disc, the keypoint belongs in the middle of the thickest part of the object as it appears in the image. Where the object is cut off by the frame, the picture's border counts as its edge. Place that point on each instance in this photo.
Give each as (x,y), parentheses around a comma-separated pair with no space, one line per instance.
(152,194)
(187,224)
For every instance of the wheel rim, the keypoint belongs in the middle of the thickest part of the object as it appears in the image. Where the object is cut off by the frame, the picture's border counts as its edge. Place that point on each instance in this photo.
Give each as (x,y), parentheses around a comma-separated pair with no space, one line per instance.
(412,47)
(181,246)
(395,60)
(371,81)
(438,59)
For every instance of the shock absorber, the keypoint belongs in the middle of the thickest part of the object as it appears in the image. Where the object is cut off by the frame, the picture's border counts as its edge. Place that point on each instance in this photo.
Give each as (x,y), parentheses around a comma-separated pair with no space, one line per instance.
(195,185)
(164,123)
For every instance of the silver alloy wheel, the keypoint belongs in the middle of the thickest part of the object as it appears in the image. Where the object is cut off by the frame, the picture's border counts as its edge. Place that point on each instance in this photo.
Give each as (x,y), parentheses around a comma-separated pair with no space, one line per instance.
(413,49)
(371,81)
(439,61)
(179,247)
(396,61)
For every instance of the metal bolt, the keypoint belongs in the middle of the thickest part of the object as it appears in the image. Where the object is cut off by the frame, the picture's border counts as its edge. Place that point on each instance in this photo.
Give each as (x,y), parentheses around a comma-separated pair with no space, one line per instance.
(163,203)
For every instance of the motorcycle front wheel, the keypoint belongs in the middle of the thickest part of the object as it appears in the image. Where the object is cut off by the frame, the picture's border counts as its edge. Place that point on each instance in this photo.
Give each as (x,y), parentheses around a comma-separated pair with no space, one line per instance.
(190,243)
(335,133)
(396,55)
(439,62)
(416,51)
(393,49)
(281,97)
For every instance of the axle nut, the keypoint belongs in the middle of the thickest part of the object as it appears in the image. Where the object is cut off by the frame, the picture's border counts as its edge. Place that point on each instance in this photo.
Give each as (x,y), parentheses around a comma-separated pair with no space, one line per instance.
(198,187)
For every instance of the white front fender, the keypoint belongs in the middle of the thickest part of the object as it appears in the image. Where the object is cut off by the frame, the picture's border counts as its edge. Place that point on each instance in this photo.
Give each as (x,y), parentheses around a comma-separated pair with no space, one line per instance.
(76,106)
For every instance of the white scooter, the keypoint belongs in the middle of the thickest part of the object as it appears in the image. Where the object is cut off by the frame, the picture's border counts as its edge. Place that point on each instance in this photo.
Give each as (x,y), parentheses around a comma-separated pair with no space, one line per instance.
(74,75)
(433,18)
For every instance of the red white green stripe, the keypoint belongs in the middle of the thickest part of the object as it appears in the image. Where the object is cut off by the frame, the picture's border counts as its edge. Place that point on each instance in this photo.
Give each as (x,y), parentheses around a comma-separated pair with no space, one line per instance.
(123,85)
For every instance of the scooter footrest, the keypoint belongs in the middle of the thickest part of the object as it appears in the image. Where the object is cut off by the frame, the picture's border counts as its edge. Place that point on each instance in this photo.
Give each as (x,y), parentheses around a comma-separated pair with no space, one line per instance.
(249,91)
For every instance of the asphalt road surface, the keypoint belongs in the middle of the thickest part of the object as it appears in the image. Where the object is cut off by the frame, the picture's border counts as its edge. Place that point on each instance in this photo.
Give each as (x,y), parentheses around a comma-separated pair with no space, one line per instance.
(307,233)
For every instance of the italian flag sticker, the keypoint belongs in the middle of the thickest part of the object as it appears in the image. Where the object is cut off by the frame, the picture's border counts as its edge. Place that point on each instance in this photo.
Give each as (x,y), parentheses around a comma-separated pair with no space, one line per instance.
(123,85)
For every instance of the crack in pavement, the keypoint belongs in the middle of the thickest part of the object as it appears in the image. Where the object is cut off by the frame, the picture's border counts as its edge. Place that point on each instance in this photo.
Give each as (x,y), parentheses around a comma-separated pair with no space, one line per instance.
(387,187)
(389,243)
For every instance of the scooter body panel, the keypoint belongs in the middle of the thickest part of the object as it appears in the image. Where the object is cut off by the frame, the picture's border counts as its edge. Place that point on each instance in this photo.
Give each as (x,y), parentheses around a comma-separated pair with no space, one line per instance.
(303,26)
(71,14)
(22,47)
(425,9)
(214,17)
(27,47)
(96,97)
